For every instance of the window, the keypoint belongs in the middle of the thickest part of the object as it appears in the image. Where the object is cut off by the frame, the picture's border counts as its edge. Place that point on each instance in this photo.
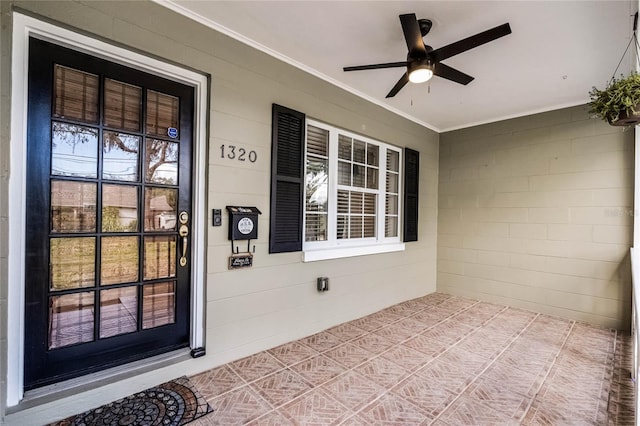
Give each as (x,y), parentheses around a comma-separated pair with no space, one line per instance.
(336,194)
(352,194)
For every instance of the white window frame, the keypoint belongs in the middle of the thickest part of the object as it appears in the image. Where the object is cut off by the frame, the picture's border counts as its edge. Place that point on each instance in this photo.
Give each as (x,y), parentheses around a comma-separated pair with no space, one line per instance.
(24,27)
(332,247)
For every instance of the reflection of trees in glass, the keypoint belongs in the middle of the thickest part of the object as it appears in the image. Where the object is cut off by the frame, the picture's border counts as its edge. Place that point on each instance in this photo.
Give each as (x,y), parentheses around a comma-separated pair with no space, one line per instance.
(120,141)
(72,135)
(160,153)
(120,156)
(74,150)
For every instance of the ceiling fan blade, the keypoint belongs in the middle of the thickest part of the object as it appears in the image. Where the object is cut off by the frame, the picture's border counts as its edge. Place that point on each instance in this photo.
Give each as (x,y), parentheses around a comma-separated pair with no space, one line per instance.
(470,42)
(376,66)
(445,71)
(412,35)
(399,85)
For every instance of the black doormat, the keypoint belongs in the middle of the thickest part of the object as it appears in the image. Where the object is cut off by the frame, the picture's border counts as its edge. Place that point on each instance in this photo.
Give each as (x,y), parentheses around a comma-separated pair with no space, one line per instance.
(173,403)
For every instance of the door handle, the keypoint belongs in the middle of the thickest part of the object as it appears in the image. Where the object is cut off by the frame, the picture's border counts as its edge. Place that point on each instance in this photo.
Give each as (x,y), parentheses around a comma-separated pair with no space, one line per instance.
(184,233)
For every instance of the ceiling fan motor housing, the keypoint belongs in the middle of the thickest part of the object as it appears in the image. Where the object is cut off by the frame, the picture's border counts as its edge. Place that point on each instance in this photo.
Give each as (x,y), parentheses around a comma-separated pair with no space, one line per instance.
(413,63)
(425,26)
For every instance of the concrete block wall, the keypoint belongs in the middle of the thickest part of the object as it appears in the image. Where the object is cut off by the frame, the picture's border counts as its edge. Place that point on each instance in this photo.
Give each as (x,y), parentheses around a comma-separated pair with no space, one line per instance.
(537,212)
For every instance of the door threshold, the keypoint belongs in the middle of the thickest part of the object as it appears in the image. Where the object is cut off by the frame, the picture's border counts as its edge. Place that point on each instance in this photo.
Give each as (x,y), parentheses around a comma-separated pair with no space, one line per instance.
(74,386)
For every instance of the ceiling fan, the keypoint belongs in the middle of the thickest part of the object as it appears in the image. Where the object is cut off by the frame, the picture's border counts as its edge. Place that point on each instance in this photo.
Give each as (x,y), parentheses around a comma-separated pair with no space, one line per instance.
(423,62)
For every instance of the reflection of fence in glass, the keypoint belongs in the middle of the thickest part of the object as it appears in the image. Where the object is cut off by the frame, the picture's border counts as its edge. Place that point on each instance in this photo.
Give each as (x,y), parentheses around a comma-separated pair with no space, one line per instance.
(72,262)
(73,206)
(119,260)
(159,257)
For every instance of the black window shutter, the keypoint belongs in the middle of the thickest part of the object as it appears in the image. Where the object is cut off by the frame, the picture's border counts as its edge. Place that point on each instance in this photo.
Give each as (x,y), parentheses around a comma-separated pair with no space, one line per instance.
(287,180)
(411,178)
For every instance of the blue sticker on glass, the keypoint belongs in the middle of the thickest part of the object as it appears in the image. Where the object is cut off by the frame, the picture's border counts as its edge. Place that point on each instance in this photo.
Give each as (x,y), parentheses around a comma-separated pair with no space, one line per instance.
(172,132)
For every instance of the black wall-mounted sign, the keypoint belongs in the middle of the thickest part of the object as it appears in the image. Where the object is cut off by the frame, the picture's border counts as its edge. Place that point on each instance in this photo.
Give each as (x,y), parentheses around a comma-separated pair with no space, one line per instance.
(237,261)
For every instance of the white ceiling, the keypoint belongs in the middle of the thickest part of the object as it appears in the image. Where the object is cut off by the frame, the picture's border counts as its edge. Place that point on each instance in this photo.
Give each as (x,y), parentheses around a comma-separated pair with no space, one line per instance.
(558,50)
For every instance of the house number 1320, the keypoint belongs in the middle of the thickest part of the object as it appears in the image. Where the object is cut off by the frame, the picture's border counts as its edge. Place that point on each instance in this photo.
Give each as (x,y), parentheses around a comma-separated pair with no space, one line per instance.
(233,152)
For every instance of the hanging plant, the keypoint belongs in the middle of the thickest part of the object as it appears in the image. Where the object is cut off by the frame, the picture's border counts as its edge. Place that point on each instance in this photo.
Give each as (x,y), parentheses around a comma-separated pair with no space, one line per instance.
(619,103)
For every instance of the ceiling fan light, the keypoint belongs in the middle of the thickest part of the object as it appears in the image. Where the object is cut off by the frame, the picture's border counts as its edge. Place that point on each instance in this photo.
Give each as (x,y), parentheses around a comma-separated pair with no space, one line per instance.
(421,71)
(420,75)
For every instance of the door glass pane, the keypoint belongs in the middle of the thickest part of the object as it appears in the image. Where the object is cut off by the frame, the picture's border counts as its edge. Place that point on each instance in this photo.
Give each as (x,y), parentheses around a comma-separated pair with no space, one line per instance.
(161,162)
(120,156)
(160,209)
(71,319)
(122,104)
(162,113)
(118,311)
(75,95)
(72,262)
(119,260)
(74,150)
(159,257)
(158,304)
(119,208)
(73,206)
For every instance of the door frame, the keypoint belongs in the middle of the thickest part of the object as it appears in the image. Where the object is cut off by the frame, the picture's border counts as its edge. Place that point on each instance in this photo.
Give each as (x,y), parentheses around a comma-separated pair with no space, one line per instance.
(25,26)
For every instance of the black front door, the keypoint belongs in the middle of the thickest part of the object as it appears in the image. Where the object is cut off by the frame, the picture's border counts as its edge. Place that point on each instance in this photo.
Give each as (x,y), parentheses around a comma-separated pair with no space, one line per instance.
(108,214)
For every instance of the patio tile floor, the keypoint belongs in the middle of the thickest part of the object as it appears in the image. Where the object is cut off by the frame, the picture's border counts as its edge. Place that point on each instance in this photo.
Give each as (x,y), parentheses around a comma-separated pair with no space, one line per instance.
(440,360)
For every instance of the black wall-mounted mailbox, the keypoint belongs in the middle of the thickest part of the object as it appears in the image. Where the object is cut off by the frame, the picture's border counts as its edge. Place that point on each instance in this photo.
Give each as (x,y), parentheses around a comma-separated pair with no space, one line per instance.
(244,223)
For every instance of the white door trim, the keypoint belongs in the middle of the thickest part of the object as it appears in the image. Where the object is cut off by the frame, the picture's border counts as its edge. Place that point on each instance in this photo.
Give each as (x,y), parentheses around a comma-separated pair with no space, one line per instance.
(24,27)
